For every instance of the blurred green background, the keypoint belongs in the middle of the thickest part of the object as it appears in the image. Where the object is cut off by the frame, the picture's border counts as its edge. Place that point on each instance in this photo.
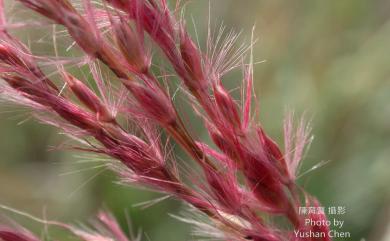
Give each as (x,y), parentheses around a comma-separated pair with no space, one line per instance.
(328,58)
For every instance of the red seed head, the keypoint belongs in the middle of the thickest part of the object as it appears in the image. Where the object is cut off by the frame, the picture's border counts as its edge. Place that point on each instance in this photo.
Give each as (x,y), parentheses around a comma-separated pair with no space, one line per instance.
(8,56)
(247,152)
(265,181)
(227,106)
(192,62)
(272,151)
(131,45)
(155,103)
(88,98)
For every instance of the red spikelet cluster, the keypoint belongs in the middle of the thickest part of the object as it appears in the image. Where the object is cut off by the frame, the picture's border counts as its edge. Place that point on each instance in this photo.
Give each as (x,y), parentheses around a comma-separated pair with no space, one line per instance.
(104,228)
(245,178)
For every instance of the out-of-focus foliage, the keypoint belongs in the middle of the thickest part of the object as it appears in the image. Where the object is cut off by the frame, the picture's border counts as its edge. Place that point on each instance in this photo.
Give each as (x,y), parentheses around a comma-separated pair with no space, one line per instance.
(328,58)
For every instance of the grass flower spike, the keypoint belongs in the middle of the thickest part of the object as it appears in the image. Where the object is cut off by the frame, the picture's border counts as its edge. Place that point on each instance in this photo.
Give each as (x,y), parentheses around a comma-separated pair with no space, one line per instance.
(243,186)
